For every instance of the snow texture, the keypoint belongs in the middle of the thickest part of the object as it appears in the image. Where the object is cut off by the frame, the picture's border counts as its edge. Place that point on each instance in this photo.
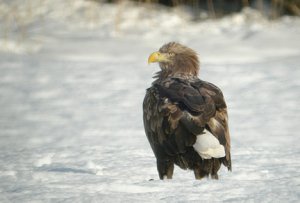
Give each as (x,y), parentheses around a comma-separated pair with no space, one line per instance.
(71,95)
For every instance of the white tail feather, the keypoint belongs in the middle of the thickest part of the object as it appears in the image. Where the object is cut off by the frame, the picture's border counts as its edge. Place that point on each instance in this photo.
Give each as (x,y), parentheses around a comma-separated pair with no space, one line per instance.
(208,146)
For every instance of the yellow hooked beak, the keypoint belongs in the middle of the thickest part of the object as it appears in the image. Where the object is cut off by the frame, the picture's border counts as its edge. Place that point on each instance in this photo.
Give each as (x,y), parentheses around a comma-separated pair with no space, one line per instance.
(157,57)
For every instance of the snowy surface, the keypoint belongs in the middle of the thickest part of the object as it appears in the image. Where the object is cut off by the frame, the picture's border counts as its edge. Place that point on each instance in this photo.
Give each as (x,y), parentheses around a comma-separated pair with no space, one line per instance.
(71,105)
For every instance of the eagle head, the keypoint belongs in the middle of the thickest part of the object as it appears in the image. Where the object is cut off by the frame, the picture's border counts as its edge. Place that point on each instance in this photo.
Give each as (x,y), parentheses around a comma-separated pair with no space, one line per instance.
(175,58)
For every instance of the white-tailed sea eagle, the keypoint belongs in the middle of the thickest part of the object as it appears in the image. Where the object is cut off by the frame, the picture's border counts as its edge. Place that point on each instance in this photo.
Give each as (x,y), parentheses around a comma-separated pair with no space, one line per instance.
(185,118)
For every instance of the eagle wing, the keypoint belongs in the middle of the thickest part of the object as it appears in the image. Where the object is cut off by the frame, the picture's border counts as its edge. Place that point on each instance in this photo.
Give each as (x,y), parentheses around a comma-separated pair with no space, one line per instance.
(177,110)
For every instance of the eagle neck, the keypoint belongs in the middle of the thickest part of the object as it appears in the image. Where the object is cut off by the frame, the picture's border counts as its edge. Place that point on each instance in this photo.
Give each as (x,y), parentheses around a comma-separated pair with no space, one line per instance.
(165,75)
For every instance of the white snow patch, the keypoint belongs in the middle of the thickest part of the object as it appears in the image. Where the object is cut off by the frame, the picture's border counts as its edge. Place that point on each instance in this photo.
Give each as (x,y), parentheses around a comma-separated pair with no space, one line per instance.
(18,46)
(98,169)
(45,160)
(9,173)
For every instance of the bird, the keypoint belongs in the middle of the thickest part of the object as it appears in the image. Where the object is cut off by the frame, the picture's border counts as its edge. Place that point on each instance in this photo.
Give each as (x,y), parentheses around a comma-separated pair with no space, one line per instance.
(185,118)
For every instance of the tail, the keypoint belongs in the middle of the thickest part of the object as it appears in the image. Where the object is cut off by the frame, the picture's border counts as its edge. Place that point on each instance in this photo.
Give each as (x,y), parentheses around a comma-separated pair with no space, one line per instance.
(208,146)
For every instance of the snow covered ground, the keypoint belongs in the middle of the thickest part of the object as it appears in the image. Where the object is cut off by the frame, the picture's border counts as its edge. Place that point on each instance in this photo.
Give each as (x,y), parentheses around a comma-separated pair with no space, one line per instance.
(71,105)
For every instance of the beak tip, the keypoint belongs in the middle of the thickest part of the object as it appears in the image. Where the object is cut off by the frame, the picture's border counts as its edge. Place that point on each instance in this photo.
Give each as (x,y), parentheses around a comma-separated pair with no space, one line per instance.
(153,58)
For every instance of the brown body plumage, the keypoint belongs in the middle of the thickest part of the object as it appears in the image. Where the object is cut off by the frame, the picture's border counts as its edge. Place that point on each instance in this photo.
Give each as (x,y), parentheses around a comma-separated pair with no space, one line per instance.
(177,108)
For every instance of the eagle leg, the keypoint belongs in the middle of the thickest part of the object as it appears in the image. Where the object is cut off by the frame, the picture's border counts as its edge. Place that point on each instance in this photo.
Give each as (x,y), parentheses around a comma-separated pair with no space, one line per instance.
(165,169)
(199,174)
(216,164)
